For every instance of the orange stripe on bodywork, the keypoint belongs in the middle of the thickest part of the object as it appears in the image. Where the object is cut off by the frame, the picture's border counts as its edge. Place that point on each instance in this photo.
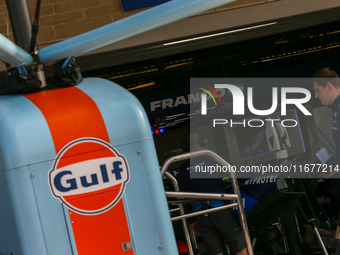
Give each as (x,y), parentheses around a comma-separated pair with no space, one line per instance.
(71,114)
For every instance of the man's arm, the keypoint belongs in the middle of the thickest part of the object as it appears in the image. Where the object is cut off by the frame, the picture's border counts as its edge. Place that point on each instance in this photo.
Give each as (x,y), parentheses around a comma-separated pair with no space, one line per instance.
(184,185)
(333,162)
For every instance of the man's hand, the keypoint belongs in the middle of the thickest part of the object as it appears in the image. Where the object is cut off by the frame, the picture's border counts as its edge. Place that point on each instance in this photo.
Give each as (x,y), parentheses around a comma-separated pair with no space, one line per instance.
(195,228)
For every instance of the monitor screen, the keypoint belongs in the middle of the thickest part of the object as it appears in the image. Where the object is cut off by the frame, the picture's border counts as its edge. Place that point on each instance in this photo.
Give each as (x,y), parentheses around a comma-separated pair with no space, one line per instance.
(247,144)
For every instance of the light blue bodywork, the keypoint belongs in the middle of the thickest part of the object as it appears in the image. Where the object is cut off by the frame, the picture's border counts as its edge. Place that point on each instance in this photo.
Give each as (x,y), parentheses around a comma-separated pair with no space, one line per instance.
(13,54)
(32,221)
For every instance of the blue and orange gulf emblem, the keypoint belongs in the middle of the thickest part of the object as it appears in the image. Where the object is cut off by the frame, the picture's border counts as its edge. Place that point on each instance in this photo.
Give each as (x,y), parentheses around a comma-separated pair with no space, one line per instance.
(71,179)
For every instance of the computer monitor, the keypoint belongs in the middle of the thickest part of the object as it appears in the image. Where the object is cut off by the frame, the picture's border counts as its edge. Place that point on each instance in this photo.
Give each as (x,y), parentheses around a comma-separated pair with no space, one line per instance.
(248,144)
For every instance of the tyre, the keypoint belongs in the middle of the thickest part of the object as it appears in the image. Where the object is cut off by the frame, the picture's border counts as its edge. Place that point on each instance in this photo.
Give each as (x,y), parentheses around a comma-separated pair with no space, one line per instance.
(292,234)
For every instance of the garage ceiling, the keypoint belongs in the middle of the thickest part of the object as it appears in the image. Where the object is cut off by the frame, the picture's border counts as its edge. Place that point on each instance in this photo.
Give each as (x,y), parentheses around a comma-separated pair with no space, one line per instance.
(283,16)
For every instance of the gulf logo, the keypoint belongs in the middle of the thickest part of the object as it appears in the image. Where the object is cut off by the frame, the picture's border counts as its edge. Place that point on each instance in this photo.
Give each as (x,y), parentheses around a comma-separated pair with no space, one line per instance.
(88,176)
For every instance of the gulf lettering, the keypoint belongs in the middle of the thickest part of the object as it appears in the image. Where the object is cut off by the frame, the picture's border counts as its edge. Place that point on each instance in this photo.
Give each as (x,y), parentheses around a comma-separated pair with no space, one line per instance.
(64,177)
(117,170)
(57,182)
(104,173)
(84,182)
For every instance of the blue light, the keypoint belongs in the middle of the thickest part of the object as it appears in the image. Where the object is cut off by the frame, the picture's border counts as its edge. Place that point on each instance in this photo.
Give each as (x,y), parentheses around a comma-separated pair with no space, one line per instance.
(152,132)
(161,130)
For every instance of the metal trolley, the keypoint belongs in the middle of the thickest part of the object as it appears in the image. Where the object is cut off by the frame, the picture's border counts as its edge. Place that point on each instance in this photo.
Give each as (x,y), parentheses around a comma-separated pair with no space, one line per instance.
(197,195)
